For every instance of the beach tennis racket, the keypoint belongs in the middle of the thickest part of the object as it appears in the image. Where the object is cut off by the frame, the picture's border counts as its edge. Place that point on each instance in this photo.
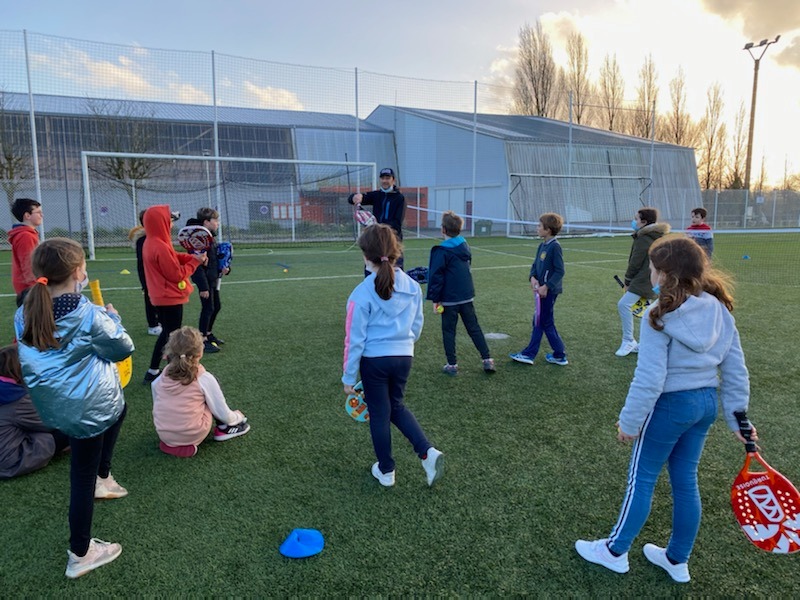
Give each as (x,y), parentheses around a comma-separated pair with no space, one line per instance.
(364,217)
(224,255)
(196,239)
(356,406)
(640,305)
(125,366)
(765,503)
(537,300)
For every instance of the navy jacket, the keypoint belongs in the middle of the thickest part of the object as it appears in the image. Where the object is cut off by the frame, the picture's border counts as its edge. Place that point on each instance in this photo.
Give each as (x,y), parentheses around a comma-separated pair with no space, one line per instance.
(548,266)
(388,207)
(449,275)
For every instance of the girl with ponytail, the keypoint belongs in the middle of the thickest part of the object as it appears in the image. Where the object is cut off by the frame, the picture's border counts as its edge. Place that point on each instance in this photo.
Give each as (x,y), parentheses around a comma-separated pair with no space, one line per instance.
(384,319)
(187,398)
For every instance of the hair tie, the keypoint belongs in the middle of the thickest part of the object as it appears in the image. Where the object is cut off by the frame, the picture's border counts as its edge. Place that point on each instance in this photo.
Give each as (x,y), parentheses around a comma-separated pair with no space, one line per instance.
(183,356)
(384,259)
(42,280)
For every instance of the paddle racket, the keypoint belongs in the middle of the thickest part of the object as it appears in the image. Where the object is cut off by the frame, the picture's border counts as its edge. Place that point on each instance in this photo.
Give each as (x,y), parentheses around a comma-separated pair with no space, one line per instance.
(125,366)
(640,305)
(364,217)
(538,308)
(224,255)
(356,406)
(196,239)
(765,503)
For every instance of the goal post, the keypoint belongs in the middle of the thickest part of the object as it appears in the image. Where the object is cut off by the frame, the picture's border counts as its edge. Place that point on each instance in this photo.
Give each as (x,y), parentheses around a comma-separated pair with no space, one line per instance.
(260,200)
(602,200)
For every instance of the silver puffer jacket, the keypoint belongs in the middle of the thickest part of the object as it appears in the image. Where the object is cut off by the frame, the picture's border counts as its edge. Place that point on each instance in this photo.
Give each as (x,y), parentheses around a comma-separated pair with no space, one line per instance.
(76,388)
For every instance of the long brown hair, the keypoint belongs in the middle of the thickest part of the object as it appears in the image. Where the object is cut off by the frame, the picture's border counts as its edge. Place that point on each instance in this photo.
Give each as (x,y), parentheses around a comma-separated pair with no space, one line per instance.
(685,271)
(9,363)
(184,348)
(54,261)
(381,247)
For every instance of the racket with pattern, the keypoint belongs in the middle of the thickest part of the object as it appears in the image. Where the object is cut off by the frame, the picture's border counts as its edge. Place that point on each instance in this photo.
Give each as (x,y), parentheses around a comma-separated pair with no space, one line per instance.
(765,503)
(364,217)
(196,239)
(640,305)
(125,366)
(356,406)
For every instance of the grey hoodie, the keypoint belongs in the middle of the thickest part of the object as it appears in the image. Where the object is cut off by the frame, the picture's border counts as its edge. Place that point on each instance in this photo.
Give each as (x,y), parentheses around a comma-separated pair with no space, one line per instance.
(699,343)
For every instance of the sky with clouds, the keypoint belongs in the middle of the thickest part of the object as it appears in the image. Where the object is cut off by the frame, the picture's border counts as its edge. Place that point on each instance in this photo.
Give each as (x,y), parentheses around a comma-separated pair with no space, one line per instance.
(459,40)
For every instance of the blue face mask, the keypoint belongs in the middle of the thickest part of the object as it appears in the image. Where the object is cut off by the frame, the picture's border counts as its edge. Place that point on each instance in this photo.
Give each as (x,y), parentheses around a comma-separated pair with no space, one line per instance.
(634,226)
(657,289)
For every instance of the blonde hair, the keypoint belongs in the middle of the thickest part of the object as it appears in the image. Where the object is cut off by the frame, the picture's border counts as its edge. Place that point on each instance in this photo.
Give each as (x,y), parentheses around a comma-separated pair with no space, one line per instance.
(381,247)
(685,271)
(184,348)
(53,262)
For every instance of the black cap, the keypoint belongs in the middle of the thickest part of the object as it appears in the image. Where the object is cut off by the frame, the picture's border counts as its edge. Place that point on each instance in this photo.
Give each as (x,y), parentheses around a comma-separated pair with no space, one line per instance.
(387,172)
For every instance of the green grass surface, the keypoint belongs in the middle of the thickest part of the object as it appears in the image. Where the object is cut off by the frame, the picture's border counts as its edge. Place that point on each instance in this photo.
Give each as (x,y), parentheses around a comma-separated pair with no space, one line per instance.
(532,459)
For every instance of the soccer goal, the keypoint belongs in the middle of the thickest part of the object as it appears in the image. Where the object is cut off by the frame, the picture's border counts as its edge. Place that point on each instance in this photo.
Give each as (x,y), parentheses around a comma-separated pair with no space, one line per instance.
(590,203)
(260,200)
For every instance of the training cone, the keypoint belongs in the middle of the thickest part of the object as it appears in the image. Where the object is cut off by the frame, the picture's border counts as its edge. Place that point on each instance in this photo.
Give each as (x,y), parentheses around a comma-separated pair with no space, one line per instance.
(124,272)
(302,543)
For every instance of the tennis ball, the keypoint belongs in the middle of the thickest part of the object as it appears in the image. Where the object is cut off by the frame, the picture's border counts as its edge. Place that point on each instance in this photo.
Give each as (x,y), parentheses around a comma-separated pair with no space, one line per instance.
(181,285)
(286,270)
(440,309)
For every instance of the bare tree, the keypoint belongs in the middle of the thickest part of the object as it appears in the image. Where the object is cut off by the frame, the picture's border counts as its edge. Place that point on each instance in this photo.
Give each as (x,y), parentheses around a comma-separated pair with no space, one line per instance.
(577,76)
(15,153)
(123,127)
(711,139)
(612,89)
(762,175)
(536,72)
(721,161)
(678,124)
(646,97)
(738,150)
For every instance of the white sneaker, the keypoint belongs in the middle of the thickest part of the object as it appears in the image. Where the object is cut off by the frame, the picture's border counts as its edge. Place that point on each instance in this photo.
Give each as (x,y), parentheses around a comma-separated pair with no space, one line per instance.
(658,556)
(597,552)
(627,347)
(108,488)
(154,330)
(433,465)
(385,479)
(100,553)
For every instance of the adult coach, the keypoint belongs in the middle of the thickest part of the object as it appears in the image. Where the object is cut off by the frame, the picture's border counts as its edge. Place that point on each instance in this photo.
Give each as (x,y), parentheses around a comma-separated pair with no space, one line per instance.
(388,205)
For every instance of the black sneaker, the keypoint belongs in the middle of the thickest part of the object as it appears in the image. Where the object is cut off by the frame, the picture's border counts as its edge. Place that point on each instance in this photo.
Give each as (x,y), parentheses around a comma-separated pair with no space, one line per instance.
(150,377)
(214,339)
(210,347)
(226,432)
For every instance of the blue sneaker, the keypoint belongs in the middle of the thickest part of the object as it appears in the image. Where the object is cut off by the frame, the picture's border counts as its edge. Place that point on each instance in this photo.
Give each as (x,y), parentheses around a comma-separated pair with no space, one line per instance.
(556,361)
(521,358)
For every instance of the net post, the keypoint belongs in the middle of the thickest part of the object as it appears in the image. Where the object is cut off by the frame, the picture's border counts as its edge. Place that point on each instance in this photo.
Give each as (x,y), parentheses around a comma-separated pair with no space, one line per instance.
(87,204)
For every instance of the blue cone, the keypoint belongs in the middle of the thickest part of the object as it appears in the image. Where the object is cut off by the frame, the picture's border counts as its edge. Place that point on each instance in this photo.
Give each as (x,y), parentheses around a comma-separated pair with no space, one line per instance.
(302,543)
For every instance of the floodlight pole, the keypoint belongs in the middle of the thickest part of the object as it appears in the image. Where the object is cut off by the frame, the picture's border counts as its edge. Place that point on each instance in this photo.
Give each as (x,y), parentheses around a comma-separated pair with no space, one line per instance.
(757,61)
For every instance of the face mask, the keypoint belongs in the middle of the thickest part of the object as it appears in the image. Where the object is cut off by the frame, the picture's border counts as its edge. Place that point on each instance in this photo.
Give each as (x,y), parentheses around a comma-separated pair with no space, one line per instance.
(81,285)
(657,289)
(634,226)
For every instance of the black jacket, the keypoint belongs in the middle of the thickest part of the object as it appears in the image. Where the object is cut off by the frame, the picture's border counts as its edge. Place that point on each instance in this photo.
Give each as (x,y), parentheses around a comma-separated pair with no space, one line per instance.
(449,275)
(388,207)
(205,276)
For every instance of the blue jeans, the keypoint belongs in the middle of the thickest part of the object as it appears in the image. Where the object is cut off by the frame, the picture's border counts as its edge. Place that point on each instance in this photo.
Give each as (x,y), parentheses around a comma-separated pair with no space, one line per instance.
(674,433)
(384,379)
(547,326)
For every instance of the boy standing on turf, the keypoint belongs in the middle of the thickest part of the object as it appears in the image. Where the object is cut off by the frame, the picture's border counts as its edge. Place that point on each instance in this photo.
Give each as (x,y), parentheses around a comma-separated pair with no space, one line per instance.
(207,279)
(24,238)
(545,277)
(700,231)
(450,286)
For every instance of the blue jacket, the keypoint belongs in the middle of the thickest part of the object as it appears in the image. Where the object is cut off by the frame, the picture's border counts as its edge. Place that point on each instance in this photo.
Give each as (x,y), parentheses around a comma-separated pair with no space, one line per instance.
(76,388)
(548,266)
(388,207)
(375,327)
(449,276)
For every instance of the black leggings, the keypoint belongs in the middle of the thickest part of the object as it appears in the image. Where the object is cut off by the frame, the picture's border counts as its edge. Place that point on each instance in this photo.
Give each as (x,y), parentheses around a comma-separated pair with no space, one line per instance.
(210,308)
(171,319)
(91,458)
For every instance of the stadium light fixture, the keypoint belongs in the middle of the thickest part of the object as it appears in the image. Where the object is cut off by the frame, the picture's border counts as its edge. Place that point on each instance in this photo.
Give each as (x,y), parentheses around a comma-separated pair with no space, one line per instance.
(766,43)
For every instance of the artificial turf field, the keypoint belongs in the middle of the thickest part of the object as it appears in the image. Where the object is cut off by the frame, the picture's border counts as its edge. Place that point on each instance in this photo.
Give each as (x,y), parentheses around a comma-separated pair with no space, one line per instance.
(532,459)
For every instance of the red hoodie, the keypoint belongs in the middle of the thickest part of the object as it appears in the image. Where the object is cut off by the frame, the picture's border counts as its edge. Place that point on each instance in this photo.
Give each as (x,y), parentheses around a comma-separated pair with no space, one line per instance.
(166,272)
(23,240)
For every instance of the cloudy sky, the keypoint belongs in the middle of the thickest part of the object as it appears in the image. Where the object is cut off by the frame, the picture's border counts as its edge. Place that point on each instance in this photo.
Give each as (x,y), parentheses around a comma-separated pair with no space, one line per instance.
(466,40)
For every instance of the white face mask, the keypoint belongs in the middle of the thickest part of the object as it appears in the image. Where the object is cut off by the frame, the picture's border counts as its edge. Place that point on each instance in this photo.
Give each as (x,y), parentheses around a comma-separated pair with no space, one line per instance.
(81,285)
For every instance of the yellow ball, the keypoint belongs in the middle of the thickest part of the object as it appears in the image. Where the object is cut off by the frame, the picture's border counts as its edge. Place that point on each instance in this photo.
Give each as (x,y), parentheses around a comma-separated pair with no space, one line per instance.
(286,270)
(440,309)
(181,285)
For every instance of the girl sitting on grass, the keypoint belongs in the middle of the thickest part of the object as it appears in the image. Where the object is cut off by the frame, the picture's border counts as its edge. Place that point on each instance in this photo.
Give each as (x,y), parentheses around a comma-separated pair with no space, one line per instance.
(186,397)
